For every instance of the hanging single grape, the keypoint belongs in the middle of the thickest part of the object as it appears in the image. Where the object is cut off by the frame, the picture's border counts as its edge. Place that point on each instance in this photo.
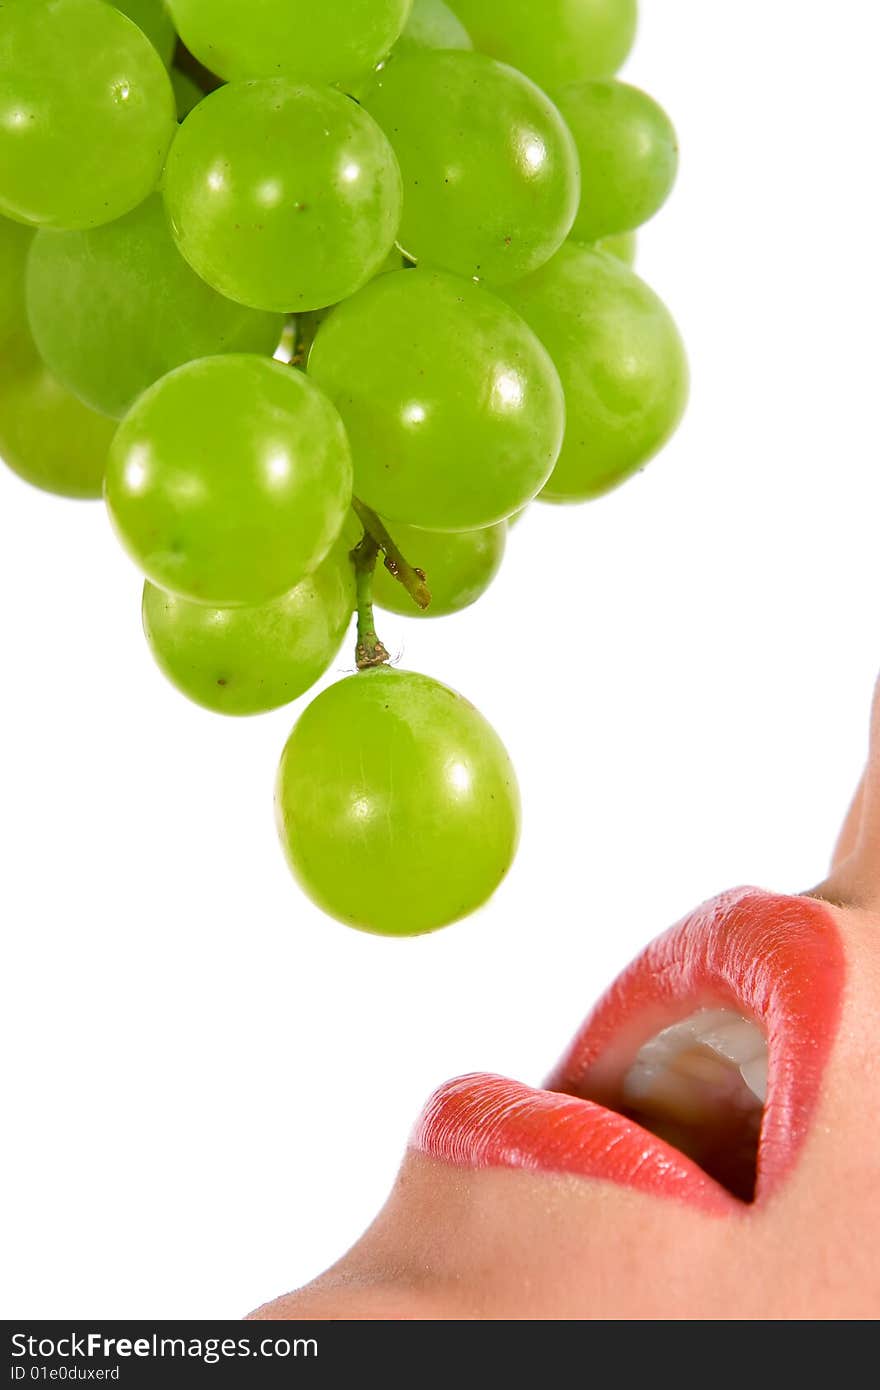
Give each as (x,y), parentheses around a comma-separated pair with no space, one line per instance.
(397,803)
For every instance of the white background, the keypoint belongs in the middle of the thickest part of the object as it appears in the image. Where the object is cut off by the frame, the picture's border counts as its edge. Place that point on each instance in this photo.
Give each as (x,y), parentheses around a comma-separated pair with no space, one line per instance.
(207,1084)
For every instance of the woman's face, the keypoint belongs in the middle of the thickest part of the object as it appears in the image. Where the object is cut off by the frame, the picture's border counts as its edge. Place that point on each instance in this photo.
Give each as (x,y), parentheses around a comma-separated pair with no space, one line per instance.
(707,1148)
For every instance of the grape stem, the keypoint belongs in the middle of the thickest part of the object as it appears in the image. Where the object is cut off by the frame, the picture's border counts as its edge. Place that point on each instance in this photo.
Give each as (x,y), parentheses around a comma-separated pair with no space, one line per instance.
(370,651)
(305,328)
(412,579)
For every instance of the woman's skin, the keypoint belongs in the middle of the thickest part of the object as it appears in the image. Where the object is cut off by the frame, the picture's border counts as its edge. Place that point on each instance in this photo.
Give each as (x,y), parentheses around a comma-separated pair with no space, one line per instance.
(497,1243)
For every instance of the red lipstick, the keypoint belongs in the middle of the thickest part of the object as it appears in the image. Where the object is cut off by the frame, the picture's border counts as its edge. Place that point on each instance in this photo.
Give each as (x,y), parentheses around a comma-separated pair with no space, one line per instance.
(777,961)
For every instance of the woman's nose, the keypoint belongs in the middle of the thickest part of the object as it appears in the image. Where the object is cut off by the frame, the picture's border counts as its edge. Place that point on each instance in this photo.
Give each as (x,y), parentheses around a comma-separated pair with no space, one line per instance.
(854,880)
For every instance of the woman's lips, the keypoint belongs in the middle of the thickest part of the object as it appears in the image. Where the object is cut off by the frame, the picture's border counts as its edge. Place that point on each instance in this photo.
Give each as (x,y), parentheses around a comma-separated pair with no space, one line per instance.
(778,960)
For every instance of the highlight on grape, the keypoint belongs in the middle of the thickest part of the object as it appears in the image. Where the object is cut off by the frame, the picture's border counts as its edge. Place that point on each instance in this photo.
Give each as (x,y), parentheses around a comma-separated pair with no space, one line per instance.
(319,298)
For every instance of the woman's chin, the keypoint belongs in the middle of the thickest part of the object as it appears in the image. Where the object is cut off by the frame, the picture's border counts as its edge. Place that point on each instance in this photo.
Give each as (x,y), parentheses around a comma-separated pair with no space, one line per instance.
(455,1243)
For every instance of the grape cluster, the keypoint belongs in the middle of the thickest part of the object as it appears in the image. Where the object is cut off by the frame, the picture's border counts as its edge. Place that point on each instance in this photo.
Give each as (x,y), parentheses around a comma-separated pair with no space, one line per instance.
(320,296)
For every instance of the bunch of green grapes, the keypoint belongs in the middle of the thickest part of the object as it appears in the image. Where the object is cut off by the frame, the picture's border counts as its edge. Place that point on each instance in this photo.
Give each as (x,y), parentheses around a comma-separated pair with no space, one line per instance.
(320,297)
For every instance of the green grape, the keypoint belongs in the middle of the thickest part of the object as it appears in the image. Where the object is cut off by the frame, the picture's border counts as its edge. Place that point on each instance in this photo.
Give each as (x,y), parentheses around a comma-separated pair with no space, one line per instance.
(553,41)
(459,565)
(86,113)
(397,803)
(621,361)
(283,197)
(152,17)
(249,660)
(324,42)
(187,93)
(47,436)
(490,172)
(628,152)
(454,409)
(432,25)
(114,308)
(229,480)
(15,241)
(623,246)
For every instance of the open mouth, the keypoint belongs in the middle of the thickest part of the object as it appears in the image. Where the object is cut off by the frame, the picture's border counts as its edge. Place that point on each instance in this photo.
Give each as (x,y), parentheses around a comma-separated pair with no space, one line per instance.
(700,1085)
(696,1075)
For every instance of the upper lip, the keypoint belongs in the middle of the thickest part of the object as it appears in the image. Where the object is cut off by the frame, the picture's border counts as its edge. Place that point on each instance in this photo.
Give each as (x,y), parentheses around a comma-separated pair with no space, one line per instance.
(778,960)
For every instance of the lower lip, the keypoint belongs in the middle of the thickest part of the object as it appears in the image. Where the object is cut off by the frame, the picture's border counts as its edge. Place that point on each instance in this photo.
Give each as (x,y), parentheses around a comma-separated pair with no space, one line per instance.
(776,959)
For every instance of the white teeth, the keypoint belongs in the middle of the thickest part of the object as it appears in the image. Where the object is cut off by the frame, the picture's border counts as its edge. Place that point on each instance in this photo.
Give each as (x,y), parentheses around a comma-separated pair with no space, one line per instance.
(738,1040)
(754,1074)
(641,1078)
(674,1068)
(658,1056)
